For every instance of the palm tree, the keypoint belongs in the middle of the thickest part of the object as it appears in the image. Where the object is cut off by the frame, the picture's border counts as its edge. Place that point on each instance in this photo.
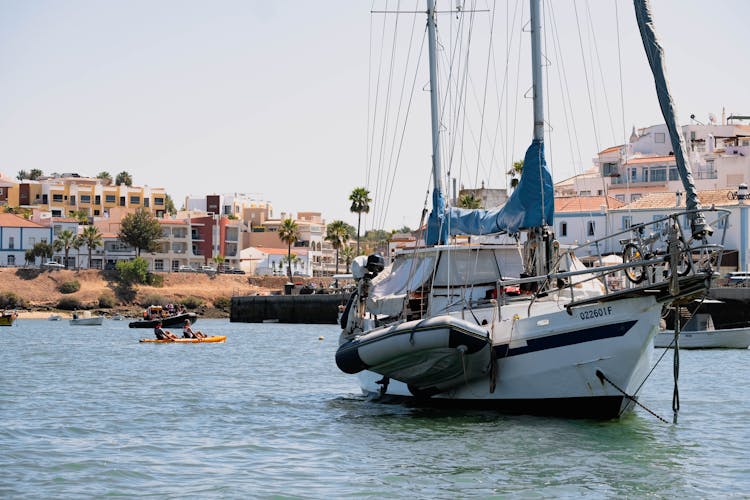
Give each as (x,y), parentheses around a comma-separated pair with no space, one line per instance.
(469,201)
(337,234)
(219,260)
(348,255)
(515,173)
(91,238)
(22,174)
(360,199)
(43,250)
(65,241)
(29,256)
(124,178)
(106,177)
(77,244)
(289,234)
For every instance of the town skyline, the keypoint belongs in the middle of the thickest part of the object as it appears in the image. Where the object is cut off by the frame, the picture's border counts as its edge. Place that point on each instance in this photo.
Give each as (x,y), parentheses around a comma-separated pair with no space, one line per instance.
(272,99)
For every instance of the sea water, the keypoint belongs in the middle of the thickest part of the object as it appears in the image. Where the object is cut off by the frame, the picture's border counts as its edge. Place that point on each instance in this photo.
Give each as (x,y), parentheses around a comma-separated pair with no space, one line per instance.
(90,412)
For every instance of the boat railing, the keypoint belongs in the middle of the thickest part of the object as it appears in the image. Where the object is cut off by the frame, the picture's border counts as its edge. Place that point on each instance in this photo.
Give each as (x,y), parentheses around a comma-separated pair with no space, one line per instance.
(642,256)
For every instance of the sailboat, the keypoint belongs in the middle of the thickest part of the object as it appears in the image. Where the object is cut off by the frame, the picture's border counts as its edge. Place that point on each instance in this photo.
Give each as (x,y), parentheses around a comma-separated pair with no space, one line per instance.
(474,324)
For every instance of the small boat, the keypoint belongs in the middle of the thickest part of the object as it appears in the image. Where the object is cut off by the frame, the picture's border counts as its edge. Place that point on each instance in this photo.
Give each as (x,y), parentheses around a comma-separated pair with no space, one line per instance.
(84,318)
(214,339)
(158,314)
(700,333)
(8,317)
(117,317)
(54,317)
(429,355)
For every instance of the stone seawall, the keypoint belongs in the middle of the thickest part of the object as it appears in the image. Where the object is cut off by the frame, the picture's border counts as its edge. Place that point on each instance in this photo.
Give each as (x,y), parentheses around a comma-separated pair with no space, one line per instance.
(315,308)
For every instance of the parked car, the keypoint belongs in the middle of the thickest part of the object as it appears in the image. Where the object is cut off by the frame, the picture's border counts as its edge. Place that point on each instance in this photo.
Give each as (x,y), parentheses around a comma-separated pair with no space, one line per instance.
(231,270)
(53,265)
(208,269)
(186,269)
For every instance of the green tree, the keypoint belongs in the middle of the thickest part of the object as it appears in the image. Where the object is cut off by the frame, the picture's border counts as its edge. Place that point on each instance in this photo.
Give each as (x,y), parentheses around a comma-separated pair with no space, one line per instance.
(43,250)
(134,271)
(29,256)
(337,235)
(35,173)
(106,178)
(22,174)
(515,173)
(91,238)
(169,205)
(140,230)
(360,199)
(65,241)
(469,201)
(289,234)
(81,215)
(219,260)
(347,253)
(124,178)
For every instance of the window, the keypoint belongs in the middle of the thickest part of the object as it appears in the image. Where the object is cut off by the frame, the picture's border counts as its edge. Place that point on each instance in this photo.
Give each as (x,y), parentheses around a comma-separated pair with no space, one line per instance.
(673,175)
(1,191)
(159,201)
(563,229)
(635,197)
(57,198)
(584,193)
(109,198)
(610,170)
(627,221)
(11,260)
(658,174)
(96,212)
(158,265)
(135,200)
(122,201)
(98,199)
(591,226)
(72,200)
(659,137)
(85,199)
(11,242)
(620,197)
(146,202)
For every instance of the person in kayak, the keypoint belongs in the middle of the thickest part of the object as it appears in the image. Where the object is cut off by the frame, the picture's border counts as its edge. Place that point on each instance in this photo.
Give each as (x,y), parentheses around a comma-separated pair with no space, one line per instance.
(189,333)
(163,334)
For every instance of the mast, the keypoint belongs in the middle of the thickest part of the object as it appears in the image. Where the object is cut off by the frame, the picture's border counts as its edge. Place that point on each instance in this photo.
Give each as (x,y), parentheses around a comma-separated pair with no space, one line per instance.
(536,69)
(437,231)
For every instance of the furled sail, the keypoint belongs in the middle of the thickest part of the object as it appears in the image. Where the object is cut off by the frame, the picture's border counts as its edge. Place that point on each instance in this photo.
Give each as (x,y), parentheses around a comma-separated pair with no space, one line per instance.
(655,54)
(532,204)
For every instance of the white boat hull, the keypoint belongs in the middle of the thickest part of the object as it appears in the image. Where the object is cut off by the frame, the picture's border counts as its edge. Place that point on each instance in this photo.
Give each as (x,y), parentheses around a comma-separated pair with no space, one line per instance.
(731,338)
(95,321)
(557,363)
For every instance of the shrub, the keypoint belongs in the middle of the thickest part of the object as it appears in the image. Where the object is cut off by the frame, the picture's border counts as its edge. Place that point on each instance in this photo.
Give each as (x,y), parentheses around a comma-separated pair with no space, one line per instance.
(134,271)
(153,299)
(191,302)
(69,304)
(9,300)
(107,301)
(155,280)
(70,287)
(222,302)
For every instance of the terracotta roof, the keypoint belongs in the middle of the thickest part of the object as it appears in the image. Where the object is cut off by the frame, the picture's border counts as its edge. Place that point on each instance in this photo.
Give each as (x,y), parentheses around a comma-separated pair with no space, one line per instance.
(281,251)
(639,160)
(13,220)
(717,197)
(585,203)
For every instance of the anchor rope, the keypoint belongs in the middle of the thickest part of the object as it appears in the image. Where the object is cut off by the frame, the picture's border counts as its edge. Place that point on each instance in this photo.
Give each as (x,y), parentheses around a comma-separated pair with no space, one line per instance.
(602,376)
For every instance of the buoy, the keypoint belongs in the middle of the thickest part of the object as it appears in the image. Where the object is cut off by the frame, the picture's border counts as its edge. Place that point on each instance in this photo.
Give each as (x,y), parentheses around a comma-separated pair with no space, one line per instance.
(321,337)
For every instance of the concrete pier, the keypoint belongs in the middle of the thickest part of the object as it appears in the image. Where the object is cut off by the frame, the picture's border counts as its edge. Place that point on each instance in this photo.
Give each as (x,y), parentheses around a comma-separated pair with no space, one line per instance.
(315,308)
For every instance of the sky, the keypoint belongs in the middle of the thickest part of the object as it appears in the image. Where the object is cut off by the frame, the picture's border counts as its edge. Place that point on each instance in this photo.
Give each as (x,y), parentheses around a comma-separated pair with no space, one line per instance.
(283,100)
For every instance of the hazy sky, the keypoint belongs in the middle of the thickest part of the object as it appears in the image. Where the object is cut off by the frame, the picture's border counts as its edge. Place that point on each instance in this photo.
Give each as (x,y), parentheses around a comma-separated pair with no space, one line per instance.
(273,98)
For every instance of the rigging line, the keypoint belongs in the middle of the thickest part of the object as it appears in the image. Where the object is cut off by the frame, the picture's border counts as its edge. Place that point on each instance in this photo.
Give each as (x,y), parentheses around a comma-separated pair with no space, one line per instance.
(377,97)
(448,101)
(601,72)
(484,97)
(369,107)
(505,93)
(586,72)
(406,118)
(389,190)
(548,115)
(393,143)
(624,149)
(565,91)
(387,113)
(518,83)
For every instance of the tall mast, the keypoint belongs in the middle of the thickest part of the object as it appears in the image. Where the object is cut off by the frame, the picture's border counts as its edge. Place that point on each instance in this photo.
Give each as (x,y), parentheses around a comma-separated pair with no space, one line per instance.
(436,168)
(536,69)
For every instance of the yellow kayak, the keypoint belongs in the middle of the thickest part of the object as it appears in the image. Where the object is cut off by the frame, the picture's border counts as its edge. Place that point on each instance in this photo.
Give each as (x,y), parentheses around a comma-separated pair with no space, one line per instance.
(215,338)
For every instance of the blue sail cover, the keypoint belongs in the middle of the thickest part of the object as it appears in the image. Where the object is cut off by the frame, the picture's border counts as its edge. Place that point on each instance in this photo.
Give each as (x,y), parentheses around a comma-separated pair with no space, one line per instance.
(532,204)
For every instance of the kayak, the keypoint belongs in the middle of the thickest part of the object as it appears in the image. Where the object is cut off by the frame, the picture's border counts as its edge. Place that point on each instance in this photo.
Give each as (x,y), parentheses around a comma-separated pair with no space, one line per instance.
(215,338)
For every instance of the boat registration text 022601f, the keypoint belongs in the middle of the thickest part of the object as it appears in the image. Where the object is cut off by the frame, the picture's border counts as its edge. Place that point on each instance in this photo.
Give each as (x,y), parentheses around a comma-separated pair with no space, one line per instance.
(596,313)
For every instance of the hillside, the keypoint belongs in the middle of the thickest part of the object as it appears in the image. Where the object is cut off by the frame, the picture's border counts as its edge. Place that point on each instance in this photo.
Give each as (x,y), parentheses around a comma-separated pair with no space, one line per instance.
(40,288)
